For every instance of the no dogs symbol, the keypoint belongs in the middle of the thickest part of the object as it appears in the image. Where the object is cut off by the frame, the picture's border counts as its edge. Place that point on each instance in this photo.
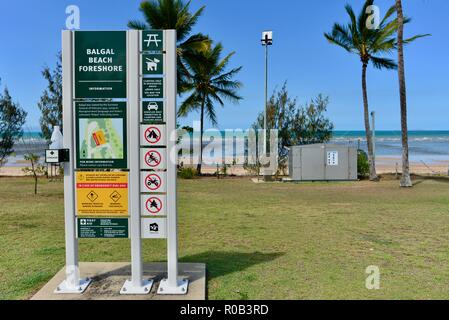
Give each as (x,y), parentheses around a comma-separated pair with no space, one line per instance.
(153,135)
(153,158)
(154,205)
(153,182)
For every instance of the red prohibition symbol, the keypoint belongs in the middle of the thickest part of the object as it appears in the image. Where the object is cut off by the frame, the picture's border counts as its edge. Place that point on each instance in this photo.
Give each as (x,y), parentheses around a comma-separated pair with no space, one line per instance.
(153,182)
(154,205)
(153,135)
(153,158)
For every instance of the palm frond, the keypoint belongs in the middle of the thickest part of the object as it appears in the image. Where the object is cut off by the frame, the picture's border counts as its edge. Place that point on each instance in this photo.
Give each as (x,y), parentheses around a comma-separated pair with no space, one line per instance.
(224,79)
(340,36)
(210,111)
(209,80)
(409,40)
(384,63)
(229,94)
(192,103)
(137,25)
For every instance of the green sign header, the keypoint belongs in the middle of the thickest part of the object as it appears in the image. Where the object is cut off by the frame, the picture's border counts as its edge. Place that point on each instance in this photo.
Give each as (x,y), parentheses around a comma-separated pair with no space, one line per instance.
(100,64)
(91,228)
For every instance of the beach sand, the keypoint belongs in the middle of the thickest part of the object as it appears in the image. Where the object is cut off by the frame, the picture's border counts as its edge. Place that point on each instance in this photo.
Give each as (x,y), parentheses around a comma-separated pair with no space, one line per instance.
(11,171)
(383,165)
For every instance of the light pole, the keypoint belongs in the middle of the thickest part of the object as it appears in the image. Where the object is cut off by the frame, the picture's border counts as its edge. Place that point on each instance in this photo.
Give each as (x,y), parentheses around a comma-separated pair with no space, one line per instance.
(267,40)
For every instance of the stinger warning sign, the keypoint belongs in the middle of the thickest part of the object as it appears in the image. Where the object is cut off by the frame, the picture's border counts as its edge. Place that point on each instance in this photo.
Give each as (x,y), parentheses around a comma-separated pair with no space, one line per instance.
(102,194)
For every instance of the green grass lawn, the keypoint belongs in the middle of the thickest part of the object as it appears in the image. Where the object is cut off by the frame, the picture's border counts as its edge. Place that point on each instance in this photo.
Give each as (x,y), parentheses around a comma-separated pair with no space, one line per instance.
(260,241)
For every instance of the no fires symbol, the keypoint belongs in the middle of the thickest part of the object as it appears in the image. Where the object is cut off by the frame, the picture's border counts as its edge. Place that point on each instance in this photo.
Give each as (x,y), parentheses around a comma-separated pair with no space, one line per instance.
(154,205)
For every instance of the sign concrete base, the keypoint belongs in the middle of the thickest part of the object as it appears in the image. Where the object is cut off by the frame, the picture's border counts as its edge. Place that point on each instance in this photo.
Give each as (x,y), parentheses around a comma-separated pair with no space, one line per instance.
(108,278)
(63,288)
(129,289)
(182,288)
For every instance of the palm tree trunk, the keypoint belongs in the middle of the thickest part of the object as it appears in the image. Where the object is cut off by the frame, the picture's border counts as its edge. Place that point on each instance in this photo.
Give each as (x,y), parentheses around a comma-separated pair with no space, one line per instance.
(405,180)
(369,136)
(200,158)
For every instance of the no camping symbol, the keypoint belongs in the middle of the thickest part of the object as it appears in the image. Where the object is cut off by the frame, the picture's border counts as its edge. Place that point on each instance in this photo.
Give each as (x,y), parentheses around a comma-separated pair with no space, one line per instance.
(154,205)
(153,158)
(153,135)
(153,182)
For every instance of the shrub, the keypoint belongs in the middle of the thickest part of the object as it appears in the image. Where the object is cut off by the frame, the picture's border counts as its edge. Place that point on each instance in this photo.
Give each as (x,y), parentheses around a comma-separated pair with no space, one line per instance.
(187,173)
(362,164)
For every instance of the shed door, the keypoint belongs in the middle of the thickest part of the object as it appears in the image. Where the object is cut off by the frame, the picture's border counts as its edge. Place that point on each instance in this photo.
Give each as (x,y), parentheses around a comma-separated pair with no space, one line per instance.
(337,164)
(313,164)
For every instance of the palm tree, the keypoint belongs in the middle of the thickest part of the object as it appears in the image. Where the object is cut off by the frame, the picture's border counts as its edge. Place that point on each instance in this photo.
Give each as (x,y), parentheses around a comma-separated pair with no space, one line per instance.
(406,182)
(175,14)
(209,83)
(369,44)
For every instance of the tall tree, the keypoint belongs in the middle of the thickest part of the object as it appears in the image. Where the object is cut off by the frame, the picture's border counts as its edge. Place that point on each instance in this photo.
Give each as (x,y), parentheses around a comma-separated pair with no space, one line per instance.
(369,43)
(51,100)
(12,119)
(296,124)
(406,182)
(175,14)
(209,84)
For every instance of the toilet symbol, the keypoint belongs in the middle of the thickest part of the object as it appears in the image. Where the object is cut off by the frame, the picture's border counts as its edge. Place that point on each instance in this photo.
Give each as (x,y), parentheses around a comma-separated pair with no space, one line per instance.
(153,135)
(154,205)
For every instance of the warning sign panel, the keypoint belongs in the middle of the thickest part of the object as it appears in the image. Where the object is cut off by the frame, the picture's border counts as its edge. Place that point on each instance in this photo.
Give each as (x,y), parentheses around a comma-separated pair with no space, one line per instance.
(102,194)
(153,159)
(154,182)
(153,205)
(153,135)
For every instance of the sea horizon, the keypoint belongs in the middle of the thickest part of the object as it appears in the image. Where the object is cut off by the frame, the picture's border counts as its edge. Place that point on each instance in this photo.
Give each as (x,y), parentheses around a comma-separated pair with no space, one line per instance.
(429,146)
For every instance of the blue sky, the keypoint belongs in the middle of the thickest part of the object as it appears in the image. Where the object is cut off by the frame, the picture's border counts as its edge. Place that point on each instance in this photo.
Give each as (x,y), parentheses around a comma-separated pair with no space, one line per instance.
(30,37)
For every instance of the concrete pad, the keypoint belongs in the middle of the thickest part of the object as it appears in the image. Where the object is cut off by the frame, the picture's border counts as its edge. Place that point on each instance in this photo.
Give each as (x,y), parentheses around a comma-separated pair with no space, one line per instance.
(109,277)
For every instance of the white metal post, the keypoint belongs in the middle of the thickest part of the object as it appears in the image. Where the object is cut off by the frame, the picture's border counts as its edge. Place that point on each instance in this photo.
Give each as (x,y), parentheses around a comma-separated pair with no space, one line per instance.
(173,284)
(137,285)
(265,125)
(72,282)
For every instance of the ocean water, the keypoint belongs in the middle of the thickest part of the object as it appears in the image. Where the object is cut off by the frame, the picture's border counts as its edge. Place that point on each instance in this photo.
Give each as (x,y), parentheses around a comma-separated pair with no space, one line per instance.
(428,146)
